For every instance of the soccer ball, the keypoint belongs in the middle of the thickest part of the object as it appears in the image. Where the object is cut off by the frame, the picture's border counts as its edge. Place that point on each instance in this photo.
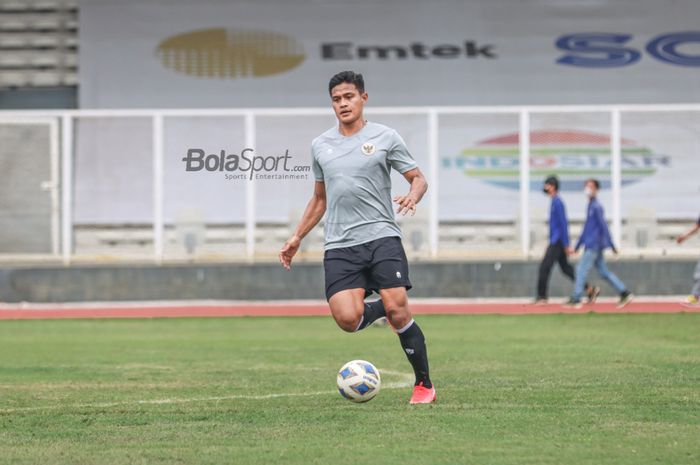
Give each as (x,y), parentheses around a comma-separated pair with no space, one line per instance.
(358,381)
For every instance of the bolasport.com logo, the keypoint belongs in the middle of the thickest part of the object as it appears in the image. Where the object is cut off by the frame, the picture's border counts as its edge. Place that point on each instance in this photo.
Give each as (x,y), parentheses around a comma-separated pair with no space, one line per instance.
(246,166)
(572,155)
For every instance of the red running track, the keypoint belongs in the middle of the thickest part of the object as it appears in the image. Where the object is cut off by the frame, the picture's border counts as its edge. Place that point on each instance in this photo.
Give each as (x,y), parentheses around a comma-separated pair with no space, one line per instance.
(292,308)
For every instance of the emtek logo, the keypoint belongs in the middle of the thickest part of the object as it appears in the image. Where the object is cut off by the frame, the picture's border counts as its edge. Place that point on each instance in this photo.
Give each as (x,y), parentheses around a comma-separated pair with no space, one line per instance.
(227,53)
(573,156)
(414,50)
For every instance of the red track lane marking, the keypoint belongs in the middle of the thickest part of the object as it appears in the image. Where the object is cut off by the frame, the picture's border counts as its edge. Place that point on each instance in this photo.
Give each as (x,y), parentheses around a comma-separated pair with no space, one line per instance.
(321,309)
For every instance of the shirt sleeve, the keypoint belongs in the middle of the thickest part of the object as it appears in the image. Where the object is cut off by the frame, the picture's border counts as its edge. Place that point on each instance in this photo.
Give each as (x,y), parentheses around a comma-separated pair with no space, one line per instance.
(399,157)
(563,223)
(584,231)
(607,240)
(315,165)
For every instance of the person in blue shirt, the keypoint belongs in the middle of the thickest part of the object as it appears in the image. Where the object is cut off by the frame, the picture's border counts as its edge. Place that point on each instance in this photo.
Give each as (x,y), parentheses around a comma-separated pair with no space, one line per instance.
(559,247)
(595,237)
(693,300)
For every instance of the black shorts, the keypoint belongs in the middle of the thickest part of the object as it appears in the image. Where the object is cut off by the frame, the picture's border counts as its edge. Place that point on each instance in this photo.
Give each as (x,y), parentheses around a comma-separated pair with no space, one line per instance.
(375,265)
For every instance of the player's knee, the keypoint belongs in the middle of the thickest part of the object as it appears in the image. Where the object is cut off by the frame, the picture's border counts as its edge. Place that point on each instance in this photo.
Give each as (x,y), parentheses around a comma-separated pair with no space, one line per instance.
(399,319)
(348,325)
(348,321)
(397,314)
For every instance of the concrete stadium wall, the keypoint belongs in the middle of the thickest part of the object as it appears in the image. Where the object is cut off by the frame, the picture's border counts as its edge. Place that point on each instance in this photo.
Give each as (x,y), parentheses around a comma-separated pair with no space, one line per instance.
(271,282)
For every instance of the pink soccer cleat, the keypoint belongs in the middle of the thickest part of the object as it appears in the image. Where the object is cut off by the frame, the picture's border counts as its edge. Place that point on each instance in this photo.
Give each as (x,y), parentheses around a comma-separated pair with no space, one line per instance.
(423,395)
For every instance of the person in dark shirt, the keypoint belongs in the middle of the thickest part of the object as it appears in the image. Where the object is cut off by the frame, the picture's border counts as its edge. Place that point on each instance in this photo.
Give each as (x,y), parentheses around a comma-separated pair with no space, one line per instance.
(693,300)
(559,247)
(596,238)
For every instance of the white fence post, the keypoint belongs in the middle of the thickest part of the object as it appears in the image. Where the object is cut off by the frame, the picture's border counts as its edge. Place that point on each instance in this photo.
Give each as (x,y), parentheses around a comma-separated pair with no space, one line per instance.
(66,187)
(55,155)
(525,182)
(250,191)
(616,175)
(433,182)
(158,187)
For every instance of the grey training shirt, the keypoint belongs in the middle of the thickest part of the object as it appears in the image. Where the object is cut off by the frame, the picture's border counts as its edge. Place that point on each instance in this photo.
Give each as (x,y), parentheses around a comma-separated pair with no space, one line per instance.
(355,170)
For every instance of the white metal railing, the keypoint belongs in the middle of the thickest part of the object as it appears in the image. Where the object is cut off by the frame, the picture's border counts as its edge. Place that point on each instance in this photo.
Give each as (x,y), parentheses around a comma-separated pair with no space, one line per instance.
(432,114)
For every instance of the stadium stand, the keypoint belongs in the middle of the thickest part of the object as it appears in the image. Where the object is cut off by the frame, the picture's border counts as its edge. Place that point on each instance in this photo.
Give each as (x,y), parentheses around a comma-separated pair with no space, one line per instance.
(456,239)
(39,44)
(39,54)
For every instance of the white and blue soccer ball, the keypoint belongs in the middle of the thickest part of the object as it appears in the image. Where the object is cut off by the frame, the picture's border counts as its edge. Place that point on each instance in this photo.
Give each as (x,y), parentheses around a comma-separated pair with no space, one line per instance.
(359,381)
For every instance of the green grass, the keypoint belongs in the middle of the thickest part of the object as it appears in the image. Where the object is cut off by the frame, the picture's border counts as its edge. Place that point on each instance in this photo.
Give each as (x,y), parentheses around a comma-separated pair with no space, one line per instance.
(548,389)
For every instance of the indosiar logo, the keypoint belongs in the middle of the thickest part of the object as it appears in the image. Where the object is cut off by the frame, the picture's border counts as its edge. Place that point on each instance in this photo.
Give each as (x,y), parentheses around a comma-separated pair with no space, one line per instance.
(573,156)
(229,53)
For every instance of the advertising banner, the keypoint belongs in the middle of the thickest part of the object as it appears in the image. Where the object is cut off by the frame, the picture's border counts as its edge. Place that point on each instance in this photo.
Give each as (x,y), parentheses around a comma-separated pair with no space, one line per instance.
(211,53)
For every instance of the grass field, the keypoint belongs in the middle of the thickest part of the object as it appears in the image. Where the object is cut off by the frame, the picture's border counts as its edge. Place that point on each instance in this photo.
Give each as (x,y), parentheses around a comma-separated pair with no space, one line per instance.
(546,389)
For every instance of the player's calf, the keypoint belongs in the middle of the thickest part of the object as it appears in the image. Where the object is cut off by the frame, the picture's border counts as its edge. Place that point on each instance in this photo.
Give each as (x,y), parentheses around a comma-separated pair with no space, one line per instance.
(372,312)
(410,334)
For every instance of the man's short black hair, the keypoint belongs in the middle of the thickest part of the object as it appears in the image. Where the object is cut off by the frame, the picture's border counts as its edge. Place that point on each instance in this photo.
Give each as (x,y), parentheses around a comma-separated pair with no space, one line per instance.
(595,182)
(552,181)
(351,77)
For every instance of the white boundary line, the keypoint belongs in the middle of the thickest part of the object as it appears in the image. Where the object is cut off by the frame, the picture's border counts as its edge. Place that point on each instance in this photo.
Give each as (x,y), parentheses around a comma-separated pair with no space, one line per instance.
(407,382)
(288,303)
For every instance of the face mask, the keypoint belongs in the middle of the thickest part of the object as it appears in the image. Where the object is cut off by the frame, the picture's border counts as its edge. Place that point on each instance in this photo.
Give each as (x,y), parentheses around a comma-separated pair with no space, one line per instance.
(588,191)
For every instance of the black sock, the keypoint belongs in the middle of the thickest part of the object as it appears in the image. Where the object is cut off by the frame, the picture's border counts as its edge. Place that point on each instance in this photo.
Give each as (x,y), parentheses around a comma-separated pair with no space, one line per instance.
(373,312)
(413,343)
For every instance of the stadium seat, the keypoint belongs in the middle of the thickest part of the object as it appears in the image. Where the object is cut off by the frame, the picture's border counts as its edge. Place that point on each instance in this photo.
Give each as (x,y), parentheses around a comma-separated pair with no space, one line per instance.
(38,44)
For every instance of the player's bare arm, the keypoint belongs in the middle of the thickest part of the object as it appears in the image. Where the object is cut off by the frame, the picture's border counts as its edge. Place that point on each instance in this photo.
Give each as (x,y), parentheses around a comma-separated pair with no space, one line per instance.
(680,239)
(407,203)
(312,215)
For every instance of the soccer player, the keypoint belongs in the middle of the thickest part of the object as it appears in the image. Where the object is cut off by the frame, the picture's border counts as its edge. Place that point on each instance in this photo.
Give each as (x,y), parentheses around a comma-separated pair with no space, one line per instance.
(363,250)
(596,238)
(693,299)
(559,247)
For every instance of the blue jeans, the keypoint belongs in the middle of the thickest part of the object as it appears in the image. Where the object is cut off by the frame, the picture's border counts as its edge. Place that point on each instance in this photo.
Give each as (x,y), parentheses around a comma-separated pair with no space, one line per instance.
(595,257)
(696,287)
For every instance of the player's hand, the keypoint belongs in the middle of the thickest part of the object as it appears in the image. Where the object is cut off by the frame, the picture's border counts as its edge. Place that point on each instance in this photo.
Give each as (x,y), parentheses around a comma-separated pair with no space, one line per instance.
(407,204)
(681,238)
(288,251)
(570,251)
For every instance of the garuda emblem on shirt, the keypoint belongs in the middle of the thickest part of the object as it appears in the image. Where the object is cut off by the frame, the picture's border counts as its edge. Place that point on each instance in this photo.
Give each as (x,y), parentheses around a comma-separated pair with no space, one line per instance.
(367,148)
